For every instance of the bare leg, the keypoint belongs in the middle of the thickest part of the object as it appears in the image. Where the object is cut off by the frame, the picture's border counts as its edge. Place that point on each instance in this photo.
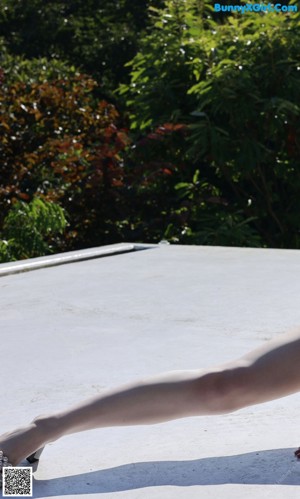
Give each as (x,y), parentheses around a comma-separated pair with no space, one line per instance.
(267,373)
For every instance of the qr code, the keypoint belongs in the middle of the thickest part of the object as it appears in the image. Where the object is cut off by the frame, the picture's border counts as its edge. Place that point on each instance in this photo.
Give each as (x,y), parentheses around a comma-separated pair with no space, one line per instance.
(17,482)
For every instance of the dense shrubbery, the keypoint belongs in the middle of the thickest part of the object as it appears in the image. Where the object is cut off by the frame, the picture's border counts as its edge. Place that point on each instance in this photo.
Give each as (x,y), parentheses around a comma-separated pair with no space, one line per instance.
(62,144)
(96,37)
(237,87)
(31,229)
(206,148)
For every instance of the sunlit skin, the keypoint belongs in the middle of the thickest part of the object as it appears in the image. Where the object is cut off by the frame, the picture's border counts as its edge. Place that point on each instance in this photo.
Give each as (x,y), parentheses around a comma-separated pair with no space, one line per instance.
(267,373)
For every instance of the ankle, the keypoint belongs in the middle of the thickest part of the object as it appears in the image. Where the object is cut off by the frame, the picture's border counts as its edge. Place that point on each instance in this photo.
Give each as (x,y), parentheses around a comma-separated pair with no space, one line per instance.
(48,427)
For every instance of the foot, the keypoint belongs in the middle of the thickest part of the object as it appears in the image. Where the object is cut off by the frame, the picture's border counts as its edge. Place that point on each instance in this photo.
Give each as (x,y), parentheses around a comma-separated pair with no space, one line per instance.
(23,441)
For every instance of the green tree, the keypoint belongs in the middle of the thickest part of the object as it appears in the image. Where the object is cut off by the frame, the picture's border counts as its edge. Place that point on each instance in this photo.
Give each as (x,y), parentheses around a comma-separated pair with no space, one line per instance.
(236,86)
(96,37)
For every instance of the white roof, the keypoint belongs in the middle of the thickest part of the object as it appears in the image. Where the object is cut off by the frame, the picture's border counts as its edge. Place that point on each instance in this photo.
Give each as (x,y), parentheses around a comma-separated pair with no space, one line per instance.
(70,331)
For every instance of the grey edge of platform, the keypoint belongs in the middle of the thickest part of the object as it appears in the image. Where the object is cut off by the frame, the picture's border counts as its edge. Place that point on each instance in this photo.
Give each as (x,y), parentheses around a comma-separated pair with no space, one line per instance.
(69,257)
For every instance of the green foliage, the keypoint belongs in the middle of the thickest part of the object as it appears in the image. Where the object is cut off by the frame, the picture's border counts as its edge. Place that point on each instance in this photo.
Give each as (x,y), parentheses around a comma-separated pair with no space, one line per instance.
(162,72)
(16,68)
(160,75)
(236,85)
(153,167)
(209,218)
(59,142)
(30,229)
(213,102)
(97,37)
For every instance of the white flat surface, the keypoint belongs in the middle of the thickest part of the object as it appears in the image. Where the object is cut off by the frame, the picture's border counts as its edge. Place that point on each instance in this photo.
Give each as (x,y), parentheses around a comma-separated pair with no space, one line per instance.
(71,331)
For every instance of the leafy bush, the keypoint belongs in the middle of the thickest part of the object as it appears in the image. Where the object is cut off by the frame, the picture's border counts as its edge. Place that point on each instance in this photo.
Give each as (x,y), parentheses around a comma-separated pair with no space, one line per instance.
(213,103)
(60,143)
(236,86)
(16,68)
(30,230)
(153,167)
(97,37)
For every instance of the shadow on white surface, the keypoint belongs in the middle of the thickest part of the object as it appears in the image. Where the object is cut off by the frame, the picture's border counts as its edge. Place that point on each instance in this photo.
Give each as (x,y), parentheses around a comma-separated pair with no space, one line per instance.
(271,467)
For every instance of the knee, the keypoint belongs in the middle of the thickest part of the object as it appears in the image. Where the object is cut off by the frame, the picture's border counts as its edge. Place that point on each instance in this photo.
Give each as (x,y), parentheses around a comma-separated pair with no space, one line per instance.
(227,390)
